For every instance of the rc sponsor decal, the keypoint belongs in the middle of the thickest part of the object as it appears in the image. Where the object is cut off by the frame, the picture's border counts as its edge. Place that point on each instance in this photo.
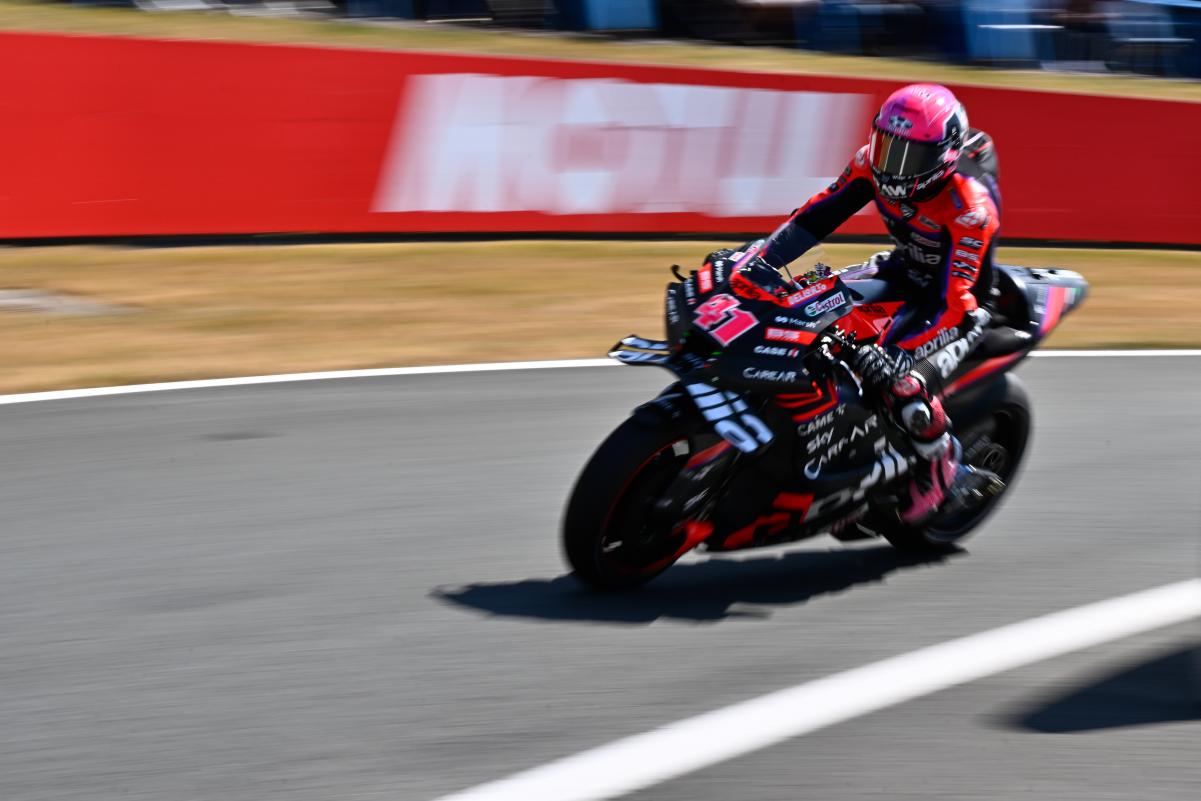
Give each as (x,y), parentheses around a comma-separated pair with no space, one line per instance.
(968,242)
(567,146)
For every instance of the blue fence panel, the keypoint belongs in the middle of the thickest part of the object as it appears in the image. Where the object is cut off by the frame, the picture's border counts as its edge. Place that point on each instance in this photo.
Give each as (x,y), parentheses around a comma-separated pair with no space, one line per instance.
(609,15)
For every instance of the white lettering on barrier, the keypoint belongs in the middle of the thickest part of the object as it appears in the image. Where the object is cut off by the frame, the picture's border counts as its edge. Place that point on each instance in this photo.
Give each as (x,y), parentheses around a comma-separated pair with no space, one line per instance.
(486,143)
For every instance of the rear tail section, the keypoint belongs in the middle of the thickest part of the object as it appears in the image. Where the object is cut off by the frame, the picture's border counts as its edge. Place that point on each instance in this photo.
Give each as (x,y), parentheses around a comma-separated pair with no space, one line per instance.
(1035,300)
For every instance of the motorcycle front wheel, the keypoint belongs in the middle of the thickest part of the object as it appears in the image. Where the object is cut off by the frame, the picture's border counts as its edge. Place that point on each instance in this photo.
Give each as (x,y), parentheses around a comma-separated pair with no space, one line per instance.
(611,537)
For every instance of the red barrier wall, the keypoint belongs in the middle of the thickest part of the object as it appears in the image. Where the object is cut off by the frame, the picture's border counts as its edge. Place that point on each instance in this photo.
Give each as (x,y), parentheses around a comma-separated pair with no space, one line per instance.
(115,137)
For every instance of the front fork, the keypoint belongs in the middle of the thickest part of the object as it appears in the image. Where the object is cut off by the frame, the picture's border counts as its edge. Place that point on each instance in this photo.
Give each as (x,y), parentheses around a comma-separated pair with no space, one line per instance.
(693,493)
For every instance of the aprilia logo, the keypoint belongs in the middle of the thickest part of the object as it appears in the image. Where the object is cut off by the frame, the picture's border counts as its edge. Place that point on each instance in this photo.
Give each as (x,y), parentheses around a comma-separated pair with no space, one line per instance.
(942,339)
(915,253)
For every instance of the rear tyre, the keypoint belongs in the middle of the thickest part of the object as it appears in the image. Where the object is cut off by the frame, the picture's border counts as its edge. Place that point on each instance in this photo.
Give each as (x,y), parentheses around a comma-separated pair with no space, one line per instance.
(997,443)
(610,538)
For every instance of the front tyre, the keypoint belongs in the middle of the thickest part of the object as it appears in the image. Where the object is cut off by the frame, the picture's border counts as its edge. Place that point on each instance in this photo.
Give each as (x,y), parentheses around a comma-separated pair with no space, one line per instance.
(998,443)
(610,537)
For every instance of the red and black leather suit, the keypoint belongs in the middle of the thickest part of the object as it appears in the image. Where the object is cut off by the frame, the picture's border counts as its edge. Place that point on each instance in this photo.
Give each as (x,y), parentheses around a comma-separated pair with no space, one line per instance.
(941,266)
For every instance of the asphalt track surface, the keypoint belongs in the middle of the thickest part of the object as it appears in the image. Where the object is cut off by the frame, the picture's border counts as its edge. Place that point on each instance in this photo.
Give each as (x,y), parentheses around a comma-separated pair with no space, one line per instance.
(352,589)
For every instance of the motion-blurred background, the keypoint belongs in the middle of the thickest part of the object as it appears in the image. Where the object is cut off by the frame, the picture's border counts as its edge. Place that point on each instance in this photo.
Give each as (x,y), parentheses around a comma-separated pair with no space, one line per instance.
(339,171)
(352,589)
(1153,37)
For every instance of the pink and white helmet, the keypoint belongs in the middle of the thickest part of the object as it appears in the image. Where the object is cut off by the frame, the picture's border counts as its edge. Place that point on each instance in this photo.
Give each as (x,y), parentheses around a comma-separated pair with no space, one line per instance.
(916,139)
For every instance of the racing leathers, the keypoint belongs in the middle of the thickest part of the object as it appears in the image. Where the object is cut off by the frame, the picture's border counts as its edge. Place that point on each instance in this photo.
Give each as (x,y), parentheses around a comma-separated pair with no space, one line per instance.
(941,268)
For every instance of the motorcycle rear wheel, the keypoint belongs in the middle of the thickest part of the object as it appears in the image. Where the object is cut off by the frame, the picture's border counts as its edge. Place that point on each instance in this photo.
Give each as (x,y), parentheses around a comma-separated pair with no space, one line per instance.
(998,445)
(610,537)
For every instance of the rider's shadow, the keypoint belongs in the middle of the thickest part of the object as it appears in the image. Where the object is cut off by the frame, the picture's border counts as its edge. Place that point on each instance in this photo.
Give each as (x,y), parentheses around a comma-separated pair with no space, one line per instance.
(704,591)
(1161,688)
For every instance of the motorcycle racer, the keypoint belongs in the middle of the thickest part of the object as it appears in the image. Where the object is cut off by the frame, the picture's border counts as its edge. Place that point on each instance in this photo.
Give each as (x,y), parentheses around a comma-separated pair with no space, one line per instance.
(933,181)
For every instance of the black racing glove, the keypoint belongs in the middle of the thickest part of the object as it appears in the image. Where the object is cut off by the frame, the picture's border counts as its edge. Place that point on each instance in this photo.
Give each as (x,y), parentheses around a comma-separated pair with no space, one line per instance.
(879,368)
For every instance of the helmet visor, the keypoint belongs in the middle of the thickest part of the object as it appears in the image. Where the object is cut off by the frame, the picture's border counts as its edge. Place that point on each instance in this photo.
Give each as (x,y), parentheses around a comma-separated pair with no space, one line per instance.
(903,158)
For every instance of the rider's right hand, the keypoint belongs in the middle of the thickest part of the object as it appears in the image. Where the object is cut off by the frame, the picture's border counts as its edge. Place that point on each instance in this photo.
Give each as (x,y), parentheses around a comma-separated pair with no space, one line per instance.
(877,367)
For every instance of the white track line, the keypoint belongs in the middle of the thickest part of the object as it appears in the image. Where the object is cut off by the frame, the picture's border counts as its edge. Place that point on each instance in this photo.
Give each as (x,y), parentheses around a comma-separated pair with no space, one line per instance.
(490,367)
(644,760)
(1107,354)
(285,378)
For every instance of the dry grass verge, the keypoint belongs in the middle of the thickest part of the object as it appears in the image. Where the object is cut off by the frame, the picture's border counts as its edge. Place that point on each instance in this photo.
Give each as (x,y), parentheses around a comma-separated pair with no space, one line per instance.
(220,311)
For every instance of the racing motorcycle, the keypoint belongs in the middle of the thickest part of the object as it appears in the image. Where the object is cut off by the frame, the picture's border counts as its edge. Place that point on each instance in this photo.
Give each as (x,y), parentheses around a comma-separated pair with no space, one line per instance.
(766,423)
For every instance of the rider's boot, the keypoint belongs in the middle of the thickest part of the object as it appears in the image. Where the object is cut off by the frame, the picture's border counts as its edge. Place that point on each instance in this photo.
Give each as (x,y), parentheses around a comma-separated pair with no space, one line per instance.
(942,483)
